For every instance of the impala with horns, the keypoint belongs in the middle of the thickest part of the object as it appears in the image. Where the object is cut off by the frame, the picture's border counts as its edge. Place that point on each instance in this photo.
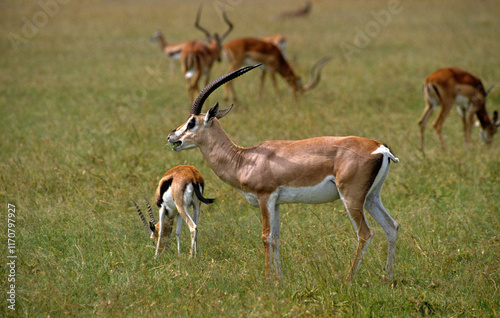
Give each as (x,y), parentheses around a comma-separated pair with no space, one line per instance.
(180,188)
(449,86)
(244,50)
(316,170)
(198,57)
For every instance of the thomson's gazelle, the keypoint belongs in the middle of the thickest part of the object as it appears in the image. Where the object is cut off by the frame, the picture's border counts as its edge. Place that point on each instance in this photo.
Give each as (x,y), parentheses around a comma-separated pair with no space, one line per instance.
(180,188)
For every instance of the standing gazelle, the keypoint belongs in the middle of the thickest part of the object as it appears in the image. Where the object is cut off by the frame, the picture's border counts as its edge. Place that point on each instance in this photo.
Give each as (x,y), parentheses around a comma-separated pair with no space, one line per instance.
(449,86)
(316,170)
(197,57)
(180,188)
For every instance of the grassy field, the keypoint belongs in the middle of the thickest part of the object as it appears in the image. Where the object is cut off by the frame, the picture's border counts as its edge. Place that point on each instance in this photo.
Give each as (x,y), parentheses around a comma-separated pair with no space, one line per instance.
(86,103)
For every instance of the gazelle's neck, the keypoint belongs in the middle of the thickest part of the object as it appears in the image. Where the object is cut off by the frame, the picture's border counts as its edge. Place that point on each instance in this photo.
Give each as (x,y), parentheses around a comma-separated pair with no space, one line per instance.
(163,42)
(222,154)
(484,119)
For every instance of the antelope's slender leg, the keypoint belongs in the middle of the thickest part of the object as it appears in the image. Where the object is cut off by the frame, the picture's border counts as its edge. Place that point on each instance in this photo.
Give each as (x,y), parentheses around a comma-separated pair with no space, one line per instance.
(163,211)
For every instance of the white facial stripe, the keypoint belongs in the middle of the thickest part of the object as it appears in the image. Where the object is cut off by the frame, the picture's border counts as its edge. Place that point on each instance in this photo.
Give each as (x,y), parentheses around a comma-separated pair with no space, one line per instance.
(186,127)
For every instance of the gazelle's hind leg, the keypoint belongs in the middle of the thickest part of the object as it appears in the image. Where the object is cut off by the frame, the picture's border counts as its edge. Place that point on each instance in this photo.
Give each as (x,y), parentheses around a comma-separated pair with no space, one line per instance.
(196,216)
(163,212)
(354,207)
(373,205)
(446,106)
(375,208)
(178,232)
(426,114)
(182,202)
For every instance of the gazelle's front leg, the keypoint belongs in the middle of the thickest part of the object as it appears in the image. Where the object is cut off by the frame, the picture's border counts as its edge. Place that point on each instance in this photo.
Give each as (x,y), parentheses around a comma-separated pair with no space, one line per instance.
(270,233)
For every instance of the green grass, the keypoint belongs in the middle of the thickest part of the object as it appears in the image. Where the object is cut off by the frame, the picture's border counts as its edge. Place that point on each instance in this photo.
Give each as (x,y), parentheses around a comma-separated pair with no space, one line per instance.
(85,108)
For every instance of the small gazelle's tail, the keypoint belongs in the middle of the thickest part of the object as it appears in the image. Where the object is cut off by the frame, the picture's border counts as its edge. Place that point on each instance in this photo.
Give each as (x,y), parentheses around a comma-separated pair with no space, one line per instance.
(199,195)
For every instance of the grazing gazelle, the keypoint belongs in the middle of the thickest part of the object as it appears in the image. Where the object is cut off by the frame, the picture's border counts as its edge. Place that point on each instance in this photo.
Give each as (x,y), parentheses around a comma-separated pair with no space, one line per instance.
(449,86)
(316,170)
(241,51)
(180,188)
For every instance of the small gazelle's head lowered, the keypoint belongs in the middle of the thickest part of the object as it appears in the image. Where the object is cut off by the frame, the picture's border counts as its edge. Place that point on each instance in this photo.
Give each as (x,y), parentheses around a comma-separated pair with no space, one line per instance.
(153,227)
(187,135)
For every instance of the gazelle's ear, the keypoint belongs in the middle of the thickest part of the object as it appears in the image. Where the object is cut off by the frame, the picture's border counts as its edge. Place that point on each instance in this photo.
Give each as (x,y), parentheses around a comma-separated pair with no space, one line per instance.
(212,113)
(223,112)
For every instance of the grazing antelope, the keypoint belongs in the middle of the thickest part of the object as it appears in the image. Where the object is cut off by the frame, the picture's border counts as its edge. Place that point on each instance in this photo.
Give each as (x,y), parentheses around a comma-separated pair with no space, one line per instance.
(180,188)
(316,170)
(301,12)
(244,50)
(279,40)
(198,57)
(448,86)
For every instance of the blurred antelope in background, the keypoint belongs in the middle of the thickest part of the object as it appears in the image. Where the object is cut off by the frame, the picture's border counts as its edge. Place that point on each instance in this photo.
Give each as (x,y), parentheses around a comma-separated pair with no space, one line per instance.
(300,12)
(171,50)
(316,170)
(198,57)
(448,86)
(242,51)
(279,40)
(180,188)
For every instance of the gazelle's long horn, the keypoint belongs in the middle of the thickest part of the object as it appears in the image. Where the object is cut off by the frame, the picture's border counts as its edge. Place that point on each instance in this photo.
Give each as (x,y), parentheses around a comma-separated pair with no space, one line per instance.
(489,89)
(150,211)
(316,73)
(230,25)
(203,95)
(146,225)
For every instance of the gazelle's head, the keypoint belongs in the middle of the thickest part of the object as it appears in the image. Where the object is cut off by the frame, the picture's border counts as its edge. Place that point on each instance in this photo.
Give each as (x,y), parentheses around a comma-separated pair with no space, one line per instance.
(156,36)
(214,39)
(192,132)
(489,131)
(295,81)
(153,227)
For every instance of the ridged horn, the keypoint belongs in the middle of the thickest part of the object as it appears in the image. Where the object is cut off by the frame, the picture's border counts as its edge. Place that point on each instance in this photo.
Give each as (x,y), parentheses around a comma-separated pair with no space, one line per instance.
(146,225)
(489,89)
(316,73)
(203,95)
(149,210)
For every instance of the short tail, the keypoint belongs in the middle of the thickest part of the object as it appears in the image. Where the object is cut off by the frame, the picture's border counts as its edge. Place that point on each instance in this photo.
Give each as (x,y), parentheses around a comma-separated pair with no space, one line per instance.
(200,196)
(384,149)
(392,157)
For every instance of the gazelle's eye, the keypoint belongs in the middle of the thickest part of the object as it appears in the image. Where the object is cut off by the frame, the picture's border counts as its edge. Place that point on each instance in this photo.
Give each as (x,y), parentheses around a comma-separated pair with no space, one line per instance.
(191,124)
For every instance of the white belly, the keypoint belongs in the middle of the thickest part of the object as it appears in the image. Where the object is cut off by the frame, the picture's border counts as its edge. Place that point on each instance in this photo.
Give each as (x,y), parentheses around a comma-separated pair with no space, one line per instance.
(463,105)
(326,191)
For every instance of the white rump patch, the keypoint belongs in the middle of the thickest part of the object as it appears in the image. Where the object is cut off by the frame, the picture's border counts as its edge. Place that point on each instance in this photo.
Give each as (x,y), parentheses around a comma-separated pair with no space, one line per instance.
(190,73)
(386,152)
